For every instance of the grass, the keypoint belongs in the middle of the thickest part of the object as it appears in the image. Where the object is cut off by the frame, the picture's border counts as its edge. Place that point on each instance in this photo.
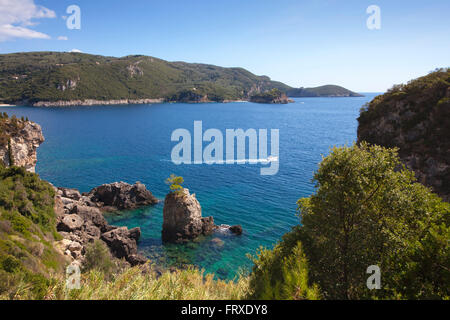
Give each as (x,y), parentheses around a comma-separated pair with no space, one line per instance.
(134,284)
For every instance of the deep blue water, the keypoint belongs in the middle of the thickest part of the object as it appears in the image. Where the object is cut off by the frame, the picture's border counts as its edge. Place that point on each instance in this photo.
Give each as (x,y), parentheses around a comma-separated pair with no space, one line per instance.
(88,146)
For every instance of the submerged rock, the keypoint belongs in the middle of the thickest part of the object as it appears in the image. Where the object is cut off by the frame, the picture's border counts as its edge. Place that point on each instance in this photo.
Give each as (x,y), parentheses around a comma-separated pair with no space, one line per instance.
(237,229)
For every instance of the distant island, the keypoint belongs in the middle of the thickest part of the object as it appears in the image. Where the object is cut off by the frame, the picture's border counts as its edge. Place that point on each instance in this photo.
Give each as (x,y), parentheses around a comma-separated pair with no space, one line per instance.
(67,79)
(322,91)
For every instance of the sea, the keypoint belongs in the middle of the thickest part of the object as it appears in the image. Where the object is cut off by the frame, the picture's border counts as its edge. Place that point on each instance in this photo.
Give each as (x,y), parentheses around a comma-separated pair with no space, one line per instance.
(88,146)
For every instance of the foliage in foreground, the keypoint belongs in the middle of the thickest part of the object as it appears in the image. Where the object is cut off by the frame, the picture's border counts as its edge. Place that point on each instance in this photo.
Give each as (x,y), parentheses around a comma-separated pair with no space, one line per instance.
(281,274)
(368,210)
(27,232)
(134,284)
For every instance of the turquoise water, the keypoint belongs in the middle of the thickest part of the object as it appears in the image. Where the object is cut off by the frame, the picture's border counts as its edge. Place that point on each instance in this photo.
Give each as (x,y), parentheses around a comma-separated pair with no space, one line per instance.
(89,146)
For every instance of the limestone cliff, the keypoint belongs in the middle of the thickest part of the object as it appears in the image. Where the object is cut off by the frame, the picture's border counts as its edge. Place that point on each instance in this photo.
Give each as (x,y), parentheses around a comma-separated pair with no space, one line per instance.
(19,140)
(416,119)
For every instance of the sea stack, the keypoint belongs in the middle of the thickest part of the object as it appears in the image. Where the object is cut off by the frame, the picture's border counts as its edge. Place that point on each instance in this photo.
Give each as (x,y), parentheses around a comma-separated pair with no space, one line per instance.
(183,219)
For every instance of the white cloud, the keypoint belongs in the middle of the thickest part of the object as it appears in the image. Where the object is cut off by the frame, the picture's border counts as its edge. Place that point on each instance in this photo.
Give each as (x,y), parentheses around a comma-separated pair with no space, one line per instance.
(17,15)
(63,38)
(76,50)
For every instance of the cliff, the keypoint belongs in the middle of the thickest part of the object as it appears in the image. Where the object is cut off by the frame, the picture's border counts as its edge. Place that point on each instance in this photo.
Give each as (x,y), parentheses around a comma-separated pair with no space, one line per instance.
(415,118)
(19,140)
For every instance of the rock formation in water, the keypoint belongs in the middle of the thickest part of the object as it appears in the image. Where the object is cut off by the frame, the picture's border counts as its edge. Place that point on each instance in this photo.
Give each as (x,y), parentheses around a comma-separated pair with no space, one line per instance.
(121,196)
(416,119)
(183,219)
(19,140)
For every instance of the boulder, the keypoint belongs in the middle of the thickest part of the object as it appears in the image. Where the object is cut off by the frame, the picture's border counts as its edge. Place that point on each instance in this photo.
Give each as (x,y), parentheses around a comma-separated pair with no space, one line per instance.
(72,194)
(136,259)
(121,242)
(135,233)
(122,196)
(237,229)
(91,214)
(70,222)
(74,246)
(183,220)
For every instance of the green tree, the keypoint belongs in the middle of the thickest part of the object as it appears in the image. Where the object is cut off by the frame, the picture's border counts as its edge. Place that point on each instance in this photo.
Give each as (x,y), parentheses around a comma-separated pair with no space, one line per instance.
(281,274)
(175,183)
(368,210)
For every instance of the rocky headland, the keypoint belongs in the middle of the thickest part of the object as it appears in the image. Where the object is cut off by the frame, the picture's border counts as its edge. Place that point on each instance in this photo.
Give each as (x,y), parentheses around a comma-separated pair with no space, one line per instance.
(273,96)
(416,119)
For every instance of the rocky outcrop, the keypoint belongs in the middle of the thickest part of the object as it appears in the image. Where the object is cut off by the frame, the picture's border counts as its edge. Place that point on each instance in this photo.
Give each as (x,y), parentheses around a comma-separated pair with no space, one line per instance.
(183,219)
(121,196)
(80,222)
(20,142)
(274,96)
(416,119)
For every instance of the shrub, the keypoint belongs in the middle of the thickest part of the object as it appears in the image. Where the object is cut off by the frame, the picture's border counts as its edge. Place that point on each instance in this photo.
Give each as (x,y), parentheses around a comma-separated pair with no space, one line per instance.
(98,257)
(281,274)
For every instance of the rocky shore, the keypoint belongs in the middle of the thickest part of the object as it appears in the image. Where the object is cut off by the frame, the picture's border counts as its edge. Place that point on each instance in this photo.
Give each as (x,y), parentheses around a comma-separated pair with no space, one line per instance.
(80,219)
(93,102)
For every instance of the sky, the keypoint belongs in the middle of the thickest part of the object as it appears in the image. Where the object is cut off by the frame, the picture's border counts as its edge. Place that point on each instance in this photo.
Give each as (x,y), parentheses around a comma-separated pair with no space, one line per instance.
(303,43)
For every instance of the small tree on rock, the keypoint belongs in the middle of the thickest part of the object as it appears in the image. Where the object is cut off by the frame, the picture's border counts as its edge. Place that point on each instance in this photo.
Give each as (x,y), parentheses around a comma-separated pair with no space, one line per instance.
(175,183)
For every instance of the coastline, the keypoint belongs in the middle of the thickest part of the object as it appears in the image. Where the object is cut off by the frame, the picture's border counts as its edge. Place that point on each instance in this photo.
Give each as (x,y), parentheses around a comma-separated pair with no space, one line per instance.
(94,102)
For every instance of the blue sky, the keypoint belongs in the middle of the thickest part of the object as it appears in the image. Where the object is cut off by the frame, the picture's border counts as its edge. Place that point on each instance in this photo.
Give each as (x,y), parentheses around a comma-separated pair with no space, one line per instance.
(301,43)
